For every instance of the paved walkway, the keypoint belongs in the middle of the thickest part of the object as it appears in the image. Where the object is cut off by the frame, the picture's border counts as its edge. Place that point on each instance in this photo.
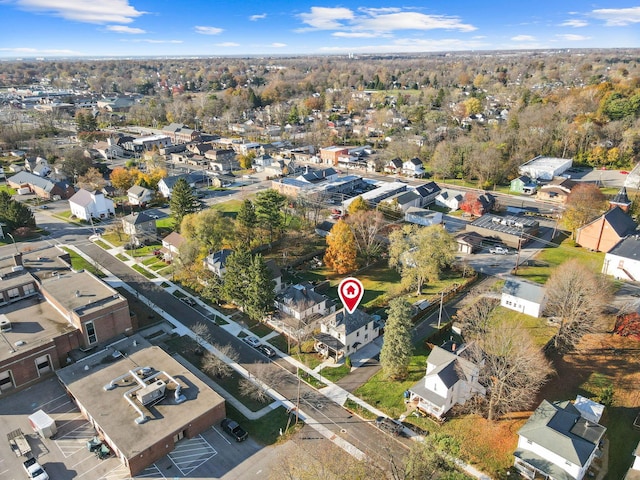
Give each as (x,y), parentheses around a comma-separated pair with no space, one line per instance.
(332,391)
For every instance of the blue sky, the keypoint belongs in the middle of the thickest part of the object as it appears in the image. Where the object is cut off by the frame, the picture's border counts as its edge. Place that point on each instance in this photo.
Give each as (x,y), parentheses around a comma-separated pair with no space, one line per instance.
(55,28)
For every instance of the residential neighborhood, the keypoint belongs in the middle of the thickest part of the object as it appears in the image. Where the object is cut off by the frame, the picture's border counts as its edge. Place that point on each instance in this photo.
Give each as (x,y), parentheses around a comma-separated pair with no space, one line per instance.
(172,275)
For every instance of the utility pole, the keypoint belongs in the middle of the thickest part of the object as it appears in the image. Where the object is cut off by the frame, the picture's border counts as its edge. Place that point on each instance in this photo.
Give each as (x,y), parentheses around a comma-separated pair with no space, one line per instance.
(440,313)
(515,270)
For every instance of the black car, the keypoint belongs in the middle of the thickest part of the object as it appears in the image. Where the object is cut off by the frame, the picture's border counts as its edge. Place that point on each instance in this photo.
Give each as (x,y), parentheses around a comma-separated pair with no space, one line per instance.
(233,429)
(267,350)
(388,425)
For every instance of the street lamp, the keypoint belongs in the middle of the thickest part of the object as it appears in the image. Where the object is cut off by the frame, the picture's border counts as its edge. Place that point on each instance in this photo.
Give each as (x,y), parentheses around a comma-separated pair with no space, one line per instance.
(14,242)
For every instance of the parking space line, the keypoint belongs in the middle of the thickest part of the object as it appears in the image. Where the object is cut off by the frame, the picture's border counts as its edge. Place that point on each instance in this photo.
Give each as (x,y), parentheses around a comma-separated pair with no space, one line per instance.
(152,471)
(191,453)
(223,437)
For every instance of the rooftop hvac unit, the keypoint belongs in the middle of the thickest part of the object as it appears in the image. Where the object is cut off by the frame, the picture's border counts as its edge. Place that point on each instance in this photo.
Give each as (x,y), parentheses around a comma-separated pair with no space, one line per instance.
(5,325)
(152,393)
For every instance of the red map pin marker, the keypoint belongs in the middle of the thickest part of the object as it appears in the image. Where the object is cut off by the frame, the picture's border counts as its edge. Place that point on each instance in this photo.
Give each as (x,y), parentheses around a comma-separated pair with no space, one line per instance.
(350,291)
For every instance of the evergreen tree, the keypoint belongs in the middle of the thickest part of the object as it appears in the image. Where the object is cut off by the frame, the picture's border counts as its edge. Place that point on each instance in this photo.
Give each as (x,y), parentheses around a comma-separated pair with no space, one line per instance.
(269,211)
(15,214)
(397,349)
(341,251)
(182,202)
(260,293)
(236,286)
(246,222)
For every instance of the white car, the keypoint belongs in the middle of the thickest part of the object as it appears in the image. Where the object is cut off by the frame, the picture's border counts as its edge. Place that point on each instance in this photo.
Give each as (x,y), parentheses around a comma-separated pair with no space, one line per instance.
(253,341)
(499,251)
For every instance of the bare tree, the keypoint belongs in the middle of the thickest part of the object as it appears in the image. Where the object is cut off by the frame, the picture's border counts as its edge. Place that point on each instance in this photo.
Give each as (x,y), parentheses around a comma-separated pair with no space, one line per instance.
(476,317)
(576,297)
(513,369)
(269,376)
(366,227)
(216,366)
(202,334)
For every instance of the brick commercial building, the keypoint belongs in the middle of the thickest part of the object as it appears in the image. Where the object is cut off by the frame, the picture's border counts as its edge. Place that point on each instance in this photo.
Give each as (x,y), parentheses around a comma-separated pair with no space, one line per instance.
(140,400)
(47,311)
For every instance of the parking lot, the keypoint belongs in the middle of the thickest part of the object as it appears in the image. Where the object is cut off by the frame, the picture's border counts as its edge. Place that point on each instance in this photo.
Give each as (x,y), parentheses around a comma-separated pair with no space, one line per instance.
(213,454)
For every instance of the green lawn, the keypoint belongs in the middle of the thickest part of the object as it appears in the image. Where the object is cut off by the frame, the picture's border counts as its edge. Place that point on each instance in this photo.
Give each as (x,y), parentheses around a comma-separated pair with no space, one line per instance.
(551,257)
(266,429)
(165,222)
(102,245)
(333,374)
(538,328)
(122,257)
(310,379)
(387,395)
(8,189)
(79,263)
(229,208)
(143,271)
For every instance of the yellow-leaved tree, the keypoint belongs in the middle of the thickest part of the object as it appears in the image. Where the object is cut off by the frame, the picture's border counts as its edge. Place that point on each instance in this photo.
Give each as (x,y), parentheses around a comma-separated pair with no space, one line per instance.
(341,251)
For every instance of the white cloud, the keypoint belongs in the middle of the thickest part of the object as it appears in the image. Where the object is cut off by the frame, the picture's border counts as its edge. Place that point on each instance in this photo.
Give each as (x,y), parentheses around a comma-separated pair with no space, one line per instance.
(150,40)
(378,20)
(227,44)
(260,16)
(412,45)
(523,38)
(323,18)
(208,30)
(573,38)
(411,21)
(125,29)
(574,23)
(94,11)
(278,45)
(37,51)
(617,17)
(357,35)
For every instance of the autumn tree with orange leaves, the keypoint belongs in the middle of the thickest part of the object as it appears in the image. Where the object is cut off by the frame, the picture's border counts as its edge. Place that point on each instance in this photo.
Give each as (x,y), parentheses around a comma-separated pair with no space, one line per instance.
(341,251)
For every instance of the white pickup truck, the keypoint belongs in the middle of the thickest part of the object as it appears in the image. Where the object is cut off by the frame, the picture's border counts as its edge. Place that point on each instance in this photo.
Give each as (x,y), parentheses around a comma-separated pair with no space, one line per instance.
(498,250)
(34,470)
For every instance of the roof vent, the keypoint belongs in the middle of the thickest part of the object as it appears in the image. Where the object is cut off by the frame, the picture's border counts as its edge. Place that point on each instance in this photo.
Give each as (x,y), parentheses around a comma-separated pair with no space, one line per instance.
(5,325)
(20,343)
(77,293)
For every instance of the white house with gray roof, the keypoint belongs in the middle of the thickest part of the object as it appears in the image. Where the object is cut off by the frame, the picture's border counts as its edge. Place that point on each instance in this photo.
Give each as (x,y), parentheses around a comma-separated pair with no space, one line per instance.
(342,334)
(302,302)
(623,261)
(451,379)
(139,195)
(557,443)
(450,199)
(523,296)
(85,205)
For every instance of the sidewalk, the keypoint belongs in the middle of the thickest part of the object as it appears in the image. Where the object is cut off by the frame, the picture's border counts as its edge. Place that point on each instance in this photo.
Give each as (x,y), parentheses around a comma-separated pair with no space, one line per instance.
(332,391)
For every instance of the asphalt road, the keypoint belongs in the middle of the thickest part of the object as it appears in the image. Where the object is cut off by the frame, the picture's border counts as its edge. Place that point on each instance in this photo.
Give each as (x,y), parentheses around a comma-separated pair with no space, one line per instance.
(362,434)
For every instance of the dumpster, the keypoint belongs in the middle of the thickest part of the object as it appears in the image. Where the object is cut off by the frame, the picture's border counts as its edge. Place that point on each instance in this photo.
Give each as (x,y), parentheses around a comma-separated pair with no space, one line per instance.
(43,424)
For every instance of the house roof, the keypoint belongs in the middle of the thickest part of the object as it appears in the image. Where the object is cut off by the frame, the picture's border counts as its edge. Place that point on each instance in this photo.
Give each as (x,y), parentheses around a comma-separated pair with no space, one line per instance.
(138,191)
(447,194)
(621,198)
(406,197)
(396,162)
(421,212)
(415,161)
(470,238)
(301,296)
(351,321)
(560,429)
(428,395)
(449,365)
(273,268)
(137,218)
(174,239)
(628,247)
(543,464)
(427,189)
(525,179)
(332,342)
(533,292)
(83,197)
(620,221)
(171,181)
(219,258)
(24,177)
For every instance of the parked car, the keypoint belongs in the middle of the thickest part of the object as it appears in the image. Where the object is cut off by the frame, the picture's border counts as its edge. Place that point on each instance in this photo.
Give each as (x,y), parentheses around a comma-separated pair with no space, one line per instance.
(267,350)
(388,425)
(498,250)
(234,429)
(251,340)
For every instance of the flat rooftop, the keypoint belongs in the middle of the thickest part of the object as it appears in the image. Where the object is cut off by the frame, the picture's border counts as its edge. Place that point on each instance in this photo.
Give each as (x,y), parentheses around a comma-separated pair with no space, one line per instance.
(547,162)
(79,291)
(34,322)
(86,379)
(508,224)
